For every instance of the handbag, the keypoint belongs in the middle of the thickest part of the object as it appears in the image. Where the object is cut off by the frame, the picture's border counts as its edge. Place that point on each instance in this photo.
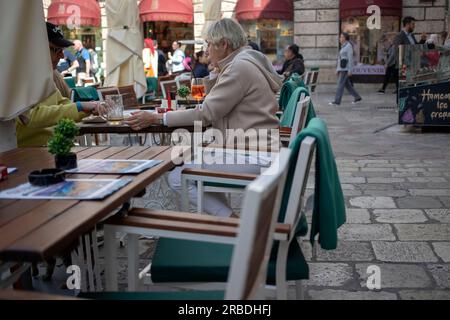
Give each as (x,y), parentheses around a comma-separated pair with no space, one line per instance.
(344,63)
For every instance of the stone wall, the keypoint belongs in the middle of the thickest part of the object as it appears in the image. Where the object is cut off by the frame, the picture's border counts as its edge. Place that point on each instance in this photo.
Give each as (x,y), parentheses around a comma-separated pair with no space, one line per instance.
(430,15)
(316,31)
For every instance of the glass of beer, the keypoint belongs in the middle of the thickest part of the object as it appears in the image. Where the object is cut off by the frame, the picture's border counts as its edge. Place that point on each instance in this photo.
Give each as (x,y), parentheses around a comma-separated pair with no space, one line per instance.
(115,108)
(198,89)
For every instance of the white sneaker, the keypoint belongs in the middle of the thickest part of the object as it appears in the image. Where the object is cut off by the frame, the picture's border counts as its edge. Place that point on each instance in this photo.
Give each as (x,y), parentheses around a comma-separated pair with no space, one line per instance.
(332,103)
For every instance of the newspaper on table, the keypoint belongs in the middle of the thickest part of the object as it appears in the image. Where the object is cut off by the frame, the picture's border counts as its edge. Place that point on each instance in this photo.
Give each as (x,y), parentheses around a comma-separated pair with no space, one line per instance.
(113,166)
(71,189)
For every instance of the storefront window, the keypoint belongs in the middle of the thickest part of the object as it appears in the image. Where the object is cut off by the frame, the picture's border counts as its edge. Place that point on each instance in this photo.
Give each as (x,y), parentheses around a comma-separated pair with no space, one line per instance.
(272,36)
(167,32)
(370,46)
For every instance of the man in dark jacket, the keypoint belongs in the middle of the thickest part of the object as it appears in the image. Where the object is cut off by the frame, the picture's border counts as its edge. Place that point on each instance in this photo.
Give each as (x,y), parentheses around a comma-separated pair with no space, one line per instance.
(294,62)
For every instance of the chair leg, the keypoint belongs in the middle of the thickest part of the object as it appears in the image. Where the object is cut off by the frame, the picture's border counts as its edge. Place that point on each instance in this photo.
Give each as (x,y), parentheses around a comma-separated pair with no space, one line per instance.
(299,290)
(281,282)
(82,264)
(133,262)
(110,259)
(98,278)
(200,194)
(89,263)
(184,194)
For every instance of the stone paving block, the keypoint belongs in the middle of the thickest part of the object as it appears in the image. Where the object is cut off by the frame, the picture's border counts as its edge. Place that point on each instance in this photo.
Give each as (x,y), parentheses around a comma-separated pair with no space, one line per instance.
(445,201)
(372,174)
(396,275)
(385,180)
(375,186)
(347,251)
(441,274)
(423,232)
(426,179)
(386,193)
(429,192)
(366,232)
(424,294)
(404,174)
(418,203)
(383,165)
(440,169)
(441,215)
(347,169)
(398,169)
(442,249)
(373,161)
(358,216)
(352,179)
(405,161)
(431,174)
(329,274)
(399,216)
(373,202)
(346,186)
(403,251)
(378,169)
(330,294)
(352,193)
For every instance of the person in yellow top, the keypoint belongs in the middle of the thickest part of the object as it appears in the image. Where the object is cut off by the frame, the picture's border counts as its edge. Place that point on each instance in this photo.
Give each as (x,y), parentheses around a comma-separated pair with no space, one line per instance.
(35,127)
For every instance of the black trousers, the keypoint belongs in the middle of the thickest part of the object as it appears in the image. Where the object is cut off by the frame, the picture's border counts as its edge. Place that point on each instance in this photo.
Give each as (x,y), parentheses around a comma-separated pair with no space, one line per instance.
(391,71)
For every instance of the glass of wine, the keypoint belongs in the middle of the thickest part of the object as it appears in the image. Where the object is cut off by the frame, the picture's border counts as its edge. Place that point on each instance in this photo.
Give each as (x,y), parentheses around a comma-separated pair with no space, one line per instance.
(198,89)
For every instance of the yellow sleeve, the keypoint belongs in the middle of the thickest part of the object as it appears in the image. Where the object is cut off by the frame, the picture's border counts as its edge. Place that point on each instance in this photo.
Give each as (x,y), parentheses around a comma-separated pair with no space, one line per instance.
(48,112)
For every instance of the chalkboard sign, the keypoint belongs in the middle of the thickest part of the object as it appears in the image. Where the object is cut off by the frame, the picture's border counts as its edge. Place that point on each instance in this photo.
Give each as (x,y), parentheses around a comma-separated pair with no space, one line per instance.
(427,105)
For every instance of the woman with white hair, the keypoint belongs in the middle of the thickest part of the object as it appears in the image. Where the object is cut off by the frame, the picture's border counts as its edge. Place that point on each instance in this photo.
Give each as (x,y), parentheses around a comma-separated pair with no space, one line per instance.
(240,95)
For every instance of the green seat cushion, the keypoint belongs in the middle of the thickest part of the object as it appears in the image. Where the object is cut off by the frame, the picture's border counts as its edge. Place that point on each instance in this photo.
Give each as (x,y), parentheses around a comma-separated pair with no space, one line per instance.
(70,81)
(85,94)
(195,261)
(184,295)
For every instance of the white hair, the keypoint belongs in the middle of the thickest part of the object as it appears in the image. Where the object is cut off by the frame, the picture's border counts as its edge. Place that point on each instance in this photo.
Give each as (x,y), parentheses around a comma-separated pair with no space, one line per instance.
(227,30)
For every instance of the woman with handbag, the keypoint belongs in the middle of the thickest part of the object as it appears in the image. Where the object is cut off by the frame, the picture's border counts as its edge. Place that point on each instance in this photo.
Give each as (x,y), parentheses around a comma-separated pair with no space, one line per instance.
(344,71)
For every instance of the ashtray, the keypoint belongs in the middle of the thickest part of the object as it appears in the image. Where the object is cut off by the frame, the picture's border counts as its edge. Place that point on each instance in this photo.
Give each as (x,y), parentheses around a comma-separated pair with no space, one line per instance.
(46,177)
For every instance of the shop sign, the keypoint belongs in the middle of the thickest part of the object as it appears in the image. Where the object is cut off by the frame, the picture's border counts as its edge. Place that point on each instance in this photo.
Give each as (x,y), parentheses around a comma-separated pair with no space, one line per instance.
(425,105)
(368,70)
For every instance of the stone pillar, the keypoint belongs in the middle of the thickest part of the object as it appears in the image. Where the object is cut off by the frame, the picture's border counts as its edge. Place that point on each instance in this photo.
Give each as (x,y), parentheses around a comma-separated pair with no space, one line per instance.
(316,31)
(228,7)
(430,15)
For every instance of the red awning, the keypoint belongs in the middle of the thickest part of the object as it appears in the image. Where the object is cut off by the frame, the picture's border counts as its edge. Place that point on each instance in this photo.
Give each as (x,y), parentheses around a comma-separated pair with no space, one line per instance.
(355,8)
(64,12)
(265,9)
(167,10)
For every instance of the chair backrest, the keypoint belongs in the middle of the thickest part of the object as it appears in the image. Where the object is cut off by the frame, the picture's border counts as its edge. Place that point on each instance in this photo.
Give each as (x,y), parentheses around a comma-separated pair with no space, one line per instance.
(296,195)
(314,79)
(251,252)
(301,113)
(169,85)
(84,94)
(107,91)
(129,97)
(287,119)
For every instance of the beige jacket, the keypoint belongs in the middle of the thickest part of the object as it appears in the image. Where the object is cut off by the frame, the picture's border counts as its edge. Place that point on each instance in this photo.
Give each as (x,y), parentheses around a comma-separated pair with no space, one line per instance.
(241,97)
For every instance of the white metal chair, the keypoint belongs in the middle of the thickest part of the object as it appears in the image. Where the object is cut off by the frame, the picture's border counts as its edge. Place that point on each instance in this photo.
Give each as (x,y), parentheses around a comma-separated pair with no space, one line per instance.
(222,182)
(252,237)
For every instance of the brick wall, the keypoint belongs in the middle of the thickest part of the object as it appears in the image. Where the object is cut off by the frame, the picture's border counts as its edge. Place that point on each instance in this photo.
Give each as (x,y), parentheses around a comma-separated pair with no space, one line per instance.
(430,15)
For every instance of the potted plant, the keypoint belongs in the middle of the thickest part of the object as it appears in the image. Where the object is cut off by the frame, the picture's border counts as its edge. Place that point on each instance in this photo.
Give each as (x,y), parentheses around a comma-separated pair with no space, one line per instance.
(62,142)
(184,92)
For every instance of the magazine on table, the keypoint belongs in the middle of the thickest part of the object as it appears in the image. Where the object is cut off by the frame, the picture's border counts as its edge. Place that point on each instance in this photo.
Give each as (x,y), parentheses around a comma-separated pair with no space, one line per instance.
(71,189)
(112,166)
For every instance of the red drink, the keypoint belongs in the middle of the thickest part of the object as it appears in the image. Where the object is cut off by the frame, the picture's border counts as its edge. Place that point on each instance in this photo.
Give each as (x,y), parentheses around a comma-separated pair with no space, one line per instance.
(198,91)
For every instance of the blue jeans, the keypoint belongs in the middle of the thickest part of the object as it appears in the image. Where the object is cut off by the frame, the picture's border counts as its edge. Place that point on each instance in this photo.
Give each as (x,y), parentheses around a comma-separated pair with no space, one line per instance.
(344,82)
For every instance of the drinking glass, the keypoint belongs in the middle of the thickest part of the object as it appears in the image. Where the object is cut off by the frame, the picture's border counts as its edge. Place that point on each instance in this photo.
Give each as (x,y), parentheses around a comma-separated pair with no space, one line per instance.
(115,109)
(198,89)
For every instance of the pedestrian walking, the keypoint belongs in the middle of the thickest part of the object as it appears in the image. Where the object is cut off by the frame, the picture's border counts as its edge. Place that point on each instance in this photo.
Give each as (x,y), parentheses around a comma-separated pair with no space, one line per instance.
(391,69)
(344,71)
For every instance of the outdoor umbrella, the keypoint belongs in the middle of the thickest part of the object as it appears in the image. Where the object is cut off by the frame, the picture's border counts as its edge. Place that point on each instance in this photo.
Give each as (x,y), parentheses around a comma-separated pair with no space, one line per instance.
(26,76)
(124,46)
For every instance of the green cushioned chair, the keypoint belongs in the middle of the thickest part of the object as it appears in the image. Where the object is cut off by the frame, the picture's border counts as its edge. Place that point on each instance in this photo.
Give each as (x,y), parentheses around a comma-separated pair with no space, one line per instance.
(85,94)
(193,261)
(247,260)
(70,81)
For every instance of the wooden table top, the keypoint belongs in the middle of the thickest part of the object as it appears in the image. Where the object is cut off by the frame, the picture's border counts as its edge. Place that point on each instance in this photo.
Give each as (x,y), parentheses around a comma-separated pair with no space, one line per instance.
(94,128)
(33,230)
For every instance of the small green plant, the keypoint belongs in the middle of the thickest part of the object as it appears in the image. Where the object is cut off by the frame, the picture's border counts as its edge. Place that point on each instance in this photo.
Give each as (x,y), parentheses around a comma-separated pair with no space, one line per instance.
(184,92)
(63,138)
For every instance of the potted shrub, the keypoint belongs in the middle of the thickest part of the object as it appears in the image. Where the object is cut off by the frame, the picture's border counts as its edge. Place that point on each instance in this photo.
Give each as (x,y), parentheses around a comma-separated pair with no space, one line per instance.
(62,142)
(184,92)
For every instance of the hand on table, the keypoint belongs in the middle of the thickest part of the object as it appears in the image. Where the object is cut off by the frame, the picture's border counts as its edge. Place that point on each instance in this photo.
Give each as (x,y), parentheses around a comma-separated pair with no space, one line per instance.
(96,108)
(142,119)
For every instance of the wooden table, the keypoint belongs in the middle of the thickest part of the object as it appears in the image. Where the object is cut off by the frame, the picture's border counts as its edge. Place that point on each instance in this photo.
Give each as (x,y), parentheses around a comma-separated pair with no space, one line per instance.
(33,230)
(98,128)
